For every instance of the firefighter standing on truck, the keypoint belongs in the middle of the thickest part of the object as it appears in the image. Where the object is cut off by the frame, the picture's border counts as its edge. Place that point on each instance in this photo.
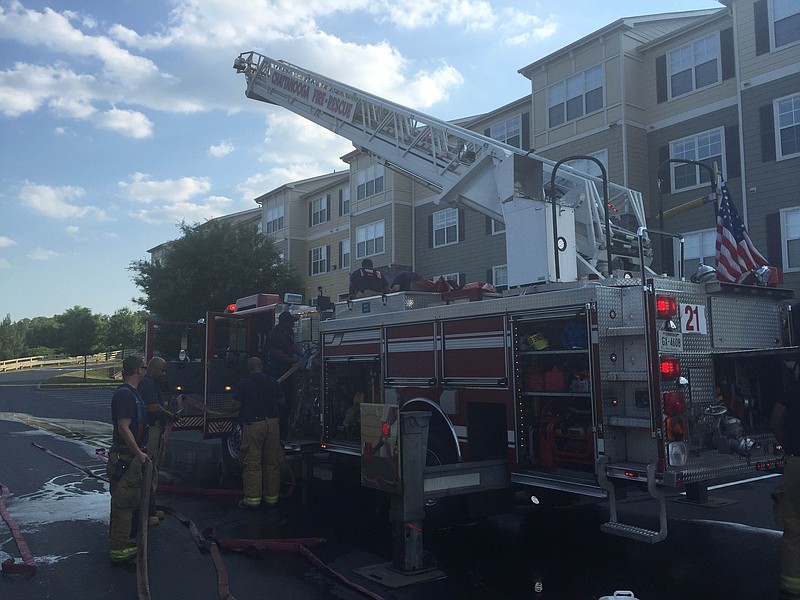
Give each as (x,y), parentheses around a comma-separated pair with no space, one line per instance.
(785,421)
(157,418)
(367,281)
(125,460)
(257,398)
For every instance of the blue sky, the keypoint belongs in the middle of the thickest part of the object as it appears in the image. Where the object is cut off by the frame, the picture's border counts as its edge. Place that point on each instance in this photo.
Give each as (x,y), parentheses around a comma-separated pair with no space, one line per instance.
(119,120)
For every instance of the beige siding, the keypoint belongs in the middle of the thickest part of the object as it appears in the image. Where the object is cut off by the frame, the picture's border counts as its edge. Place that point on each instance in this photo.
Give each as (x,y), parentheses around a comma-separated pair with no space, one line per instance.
(751,66)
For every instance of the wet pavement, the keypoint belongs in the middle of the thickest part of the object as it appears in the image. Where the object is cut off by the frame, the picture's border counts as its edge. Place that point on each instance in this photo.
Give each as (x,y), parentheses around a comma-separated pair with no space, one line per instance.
(726,549)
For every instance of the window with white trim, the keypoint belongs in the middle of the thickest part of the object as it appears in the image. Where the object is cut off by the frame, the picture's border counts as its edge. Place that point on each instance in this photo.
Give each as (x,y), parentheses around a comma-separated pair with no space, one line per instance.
(344,260)
(787,123)
(790,238)
(694,66)
(370,239)
(498,227)
(508,131)
(500,276)
(445,227)
(589,166)
(707,147)
(275,218)
(698,247)
(575,96)
(319,210)
(319,260)
(785,22)
(369,181)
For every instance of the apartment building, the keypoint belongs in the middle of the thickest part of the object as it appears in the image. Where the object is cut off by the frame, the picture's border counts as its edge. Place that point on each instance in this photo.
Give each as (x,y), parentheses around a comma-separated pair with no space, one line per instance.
(720,86)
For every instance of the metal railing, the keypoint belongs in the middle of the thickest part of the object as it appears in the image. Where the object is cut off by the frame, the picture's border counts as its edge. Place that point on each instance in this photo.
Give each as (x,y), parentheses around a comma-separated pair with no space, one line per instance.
(35,362)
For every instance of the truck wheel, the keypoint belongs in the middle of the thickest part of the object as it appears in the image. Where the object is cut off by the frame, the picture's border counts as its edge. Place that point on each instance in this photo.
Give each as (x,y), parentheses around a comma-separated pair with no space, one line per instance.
(230,450)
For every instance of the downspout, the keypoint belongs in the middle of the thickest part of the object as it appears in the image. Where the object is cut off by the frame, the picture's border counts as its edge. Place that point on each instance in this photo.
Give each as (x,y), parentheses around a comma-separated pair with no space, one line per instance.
(624,111)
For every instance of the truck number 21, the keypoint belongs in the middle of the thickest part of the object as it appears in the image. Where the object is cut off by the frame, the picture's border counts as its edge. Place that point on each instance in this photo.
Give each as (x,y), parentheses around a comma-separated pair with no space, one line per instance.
(693,319)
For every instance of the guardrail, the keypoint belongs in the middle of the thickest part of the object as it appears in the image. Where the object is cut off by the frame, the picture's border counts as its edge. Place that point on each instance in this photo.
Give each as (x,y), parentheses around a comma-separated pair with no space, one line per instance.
(34,362)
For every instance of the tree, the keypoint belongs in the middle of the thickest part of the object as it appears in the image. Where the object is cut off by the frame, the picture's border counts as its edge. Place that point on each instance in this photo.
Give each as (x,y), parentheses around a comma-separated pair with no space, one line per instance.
(11,339)
(82,332)
(42,332)
(125,330)
(211,266)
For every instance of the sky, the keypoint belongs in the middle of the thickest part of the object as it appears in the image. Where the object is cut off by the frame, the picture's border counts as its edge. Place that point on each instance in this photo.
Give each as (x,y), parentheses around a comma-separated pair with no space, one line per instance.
(119,120)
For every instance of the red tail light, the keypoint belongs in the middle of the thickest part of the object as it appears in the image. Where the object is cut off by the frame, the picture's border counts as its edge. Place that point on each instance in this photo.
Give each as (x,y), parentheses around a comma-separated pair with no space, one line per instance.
(670,368)
(674,403)
(385,428)
(666,306)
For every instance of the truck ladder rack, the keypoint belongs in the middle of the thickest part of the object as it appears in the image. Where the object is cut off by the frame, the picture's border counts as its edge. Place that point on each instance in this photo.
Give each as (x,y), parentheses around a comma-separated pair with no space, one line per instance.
(626,530)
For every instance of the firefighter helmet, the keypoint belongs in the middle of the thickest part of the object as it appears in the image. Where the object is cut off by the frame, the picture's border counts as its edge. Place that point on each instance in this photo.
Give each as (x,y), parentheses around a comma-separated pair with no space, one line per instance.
(704,274)
(537,341)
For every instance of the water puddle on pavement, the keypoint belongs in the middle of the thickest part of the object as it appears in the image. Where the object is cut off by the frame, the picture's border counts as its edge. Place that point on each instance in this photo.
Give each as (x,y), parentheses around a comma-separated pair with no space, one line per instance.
(94,433)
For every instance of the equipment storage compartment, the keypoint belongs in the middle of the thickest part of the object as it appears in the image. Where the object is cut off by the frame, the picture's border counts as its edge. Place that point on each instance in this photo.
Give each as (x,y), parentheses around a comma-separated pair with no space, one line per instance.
(552,369)
(348,384)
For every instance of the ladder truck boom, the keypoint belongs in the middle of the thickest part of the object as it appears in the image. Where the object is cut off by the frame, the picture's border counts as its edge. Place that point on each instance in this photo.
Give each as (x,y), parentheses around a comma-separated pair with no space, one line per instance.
(462,166)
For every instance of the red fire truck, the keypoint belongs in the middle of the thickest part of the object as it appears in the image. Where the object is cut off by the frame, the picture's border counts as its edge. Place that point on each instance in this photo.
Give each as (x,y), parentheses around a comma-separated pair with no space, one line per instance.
(590,375)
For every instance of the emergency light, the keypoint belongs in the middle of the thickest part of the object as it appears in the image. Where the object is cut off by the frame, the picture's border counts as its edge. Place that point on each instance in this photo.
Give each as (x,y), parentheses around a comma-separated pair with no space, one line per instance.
(670,368)
(674,403)
(666,306)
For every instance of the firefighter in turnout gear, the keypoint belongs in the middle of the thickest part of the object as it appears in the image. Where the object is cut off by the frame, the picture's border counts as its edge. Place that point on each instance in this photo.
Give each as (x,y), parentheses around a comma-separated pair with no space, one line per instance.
(785,423)
(257,398)
(157,418)
(125,460)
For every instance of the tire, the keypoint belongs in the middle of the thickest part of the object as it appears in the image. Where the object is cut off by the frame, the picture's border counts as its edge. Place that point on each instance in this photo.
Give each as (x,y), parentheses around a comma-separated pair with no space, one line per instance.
(230,451)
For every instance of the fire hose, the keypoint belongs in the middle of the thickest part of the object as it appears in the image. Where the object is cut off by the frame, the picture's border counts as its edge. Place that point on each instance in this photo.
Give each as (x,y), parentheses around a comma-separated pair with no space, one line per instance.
(203,539)
(10,566)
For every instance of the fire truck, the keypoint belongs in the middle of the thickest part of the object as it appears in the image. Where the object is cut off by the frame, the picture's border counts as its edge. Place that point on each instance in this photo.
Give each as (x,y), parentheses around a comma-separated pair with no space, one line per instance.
(592,374)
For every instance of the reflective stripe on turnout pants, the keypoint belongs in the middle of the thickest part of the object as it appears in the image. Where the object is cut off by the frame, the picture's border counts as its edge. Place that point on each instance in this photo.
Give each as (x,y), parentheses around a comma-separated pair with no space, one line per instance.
(787,513)
(155,434)
(125,498)
(259,456)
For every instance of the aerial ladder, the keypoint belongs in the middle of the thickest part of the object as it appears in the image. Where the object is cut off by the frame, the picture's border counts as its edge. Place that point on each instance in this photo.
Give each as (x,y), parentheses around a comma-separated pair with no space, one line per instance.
(463,167)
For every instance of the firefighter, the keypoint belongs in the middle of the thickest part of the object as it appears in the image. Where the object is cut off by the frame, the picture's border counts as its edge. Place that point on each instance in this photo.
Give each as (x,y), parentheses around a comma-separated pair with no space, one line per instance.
(785,421)
(403,281)
(257,398)
(157,418)
(367,281)
(282,354)
(125,460)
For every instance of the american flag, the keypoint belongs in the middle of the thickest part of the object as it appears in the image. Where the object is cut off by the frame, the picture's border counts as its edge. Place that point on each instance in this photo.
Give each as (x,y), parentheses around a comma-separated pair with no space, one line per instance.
(736,254)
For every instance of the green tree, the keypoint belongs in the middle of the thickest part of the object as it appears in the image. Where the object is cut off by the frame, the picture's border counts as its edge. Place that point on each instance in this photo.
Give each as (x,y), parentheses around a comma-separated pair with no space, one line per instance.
(211,266)
(82,332)
(42,333)
(126,330)
(11,339)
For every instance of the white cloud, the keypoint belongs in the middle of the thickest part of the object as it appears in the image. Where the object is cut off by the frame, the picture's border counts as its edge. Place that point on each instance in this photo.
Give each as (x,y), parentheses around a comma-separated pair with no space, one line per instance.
(191,212)
(55,202)
(5,242)
(221,149)
(40,254)
(72,230)
(141,188)
(127,122)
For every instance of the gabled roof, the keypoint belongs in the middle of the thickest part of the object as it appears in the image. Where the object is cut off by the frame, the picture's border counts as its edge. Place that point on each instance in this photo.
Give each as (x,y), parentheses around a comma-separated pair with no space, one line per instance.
(306,186)
(646,28)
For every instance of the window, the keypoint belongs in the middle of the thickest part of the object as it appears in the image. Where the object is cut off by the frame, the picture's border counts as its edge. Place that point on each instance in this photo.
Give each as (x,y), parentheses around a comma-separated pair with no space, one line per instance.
(788,123)
(369,239)
(576,96)
(707,147)
(698,247)
(498,227)
(589,166)
(694,66)
(344,254)
(319,260)
(445,227)
(500,277)
(785,22)
(344,201)
(790,235)
(275,219)
(509,131)
(319,210)
(370,181)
